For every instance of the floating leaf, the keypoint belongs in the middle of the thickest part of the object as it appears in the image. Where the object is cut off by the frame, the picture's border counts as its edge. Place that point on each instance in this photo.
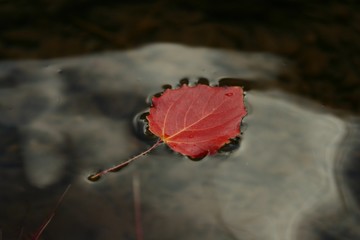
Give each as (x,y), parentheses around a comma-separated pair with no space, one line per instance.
(194,121)
(197,121)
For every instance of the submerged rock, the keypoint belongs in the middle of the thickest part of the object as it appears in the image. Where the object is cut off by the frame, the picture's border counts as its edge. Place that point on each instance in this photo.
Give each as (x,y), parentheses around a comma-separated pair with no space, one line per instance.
(72,117)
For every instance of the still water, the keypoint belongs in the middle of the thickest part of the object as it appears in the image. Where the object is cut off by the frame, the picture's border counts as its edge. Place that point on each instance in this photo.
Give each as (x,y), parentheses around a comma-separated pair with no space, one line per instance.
(294,175)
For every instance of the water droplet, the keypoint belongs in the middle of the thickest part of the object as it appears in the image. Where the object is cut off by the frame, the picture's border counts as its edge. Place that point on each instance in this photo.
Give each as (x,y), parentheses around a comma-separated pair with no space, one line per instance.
(196,159)
(141,127)
(148,134)
(157,95)
(229,94)
(166,86)
(203,81)
(232,145)
(143,115)
(232,82)
(184,81)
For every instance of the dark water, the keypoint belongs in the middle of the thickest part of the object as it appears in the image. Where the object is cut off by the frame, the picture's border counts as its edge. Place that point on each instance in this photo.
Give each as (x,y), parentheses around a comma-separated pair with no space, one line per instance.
(294,176)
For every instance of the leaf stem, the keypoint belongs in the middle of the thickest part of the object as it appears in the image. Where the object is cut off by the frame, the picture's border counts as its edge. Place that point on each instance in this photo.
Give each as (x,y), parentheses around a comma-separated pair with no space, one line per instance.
(96,176)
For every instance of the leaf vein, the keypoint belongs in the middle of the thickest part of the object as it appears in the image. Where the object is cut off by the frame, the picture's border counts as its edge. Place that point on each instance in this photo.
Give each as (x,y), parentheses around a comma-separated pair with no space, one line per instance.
(215,126)
(167,112)
(199,120)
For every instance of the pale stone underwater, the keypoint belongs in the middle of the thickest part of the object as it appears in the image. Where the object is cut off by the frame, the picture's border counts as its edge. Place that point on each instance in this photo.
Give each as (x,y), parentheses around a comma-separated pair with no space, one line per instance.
(71,117)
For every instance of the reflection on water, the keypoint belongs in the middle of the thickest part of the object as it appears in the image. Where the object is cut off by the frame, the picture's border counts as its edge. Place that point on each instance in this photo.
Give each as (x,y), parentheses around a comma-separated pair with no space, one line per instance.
(293,177)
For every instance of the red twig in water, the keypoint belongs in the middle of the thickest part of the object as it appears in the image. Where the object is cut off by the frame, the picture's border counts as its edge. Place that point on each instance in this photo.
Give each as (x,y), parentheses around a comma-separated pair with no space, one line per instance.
(137,207)
(41,229)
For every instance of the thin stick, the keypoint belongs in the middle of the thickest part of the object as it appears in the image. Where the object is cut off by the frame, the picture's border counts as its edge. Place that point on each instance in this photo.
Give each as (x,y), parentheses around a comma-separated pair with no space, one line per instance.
(137,207)
(96,176)
(37,235)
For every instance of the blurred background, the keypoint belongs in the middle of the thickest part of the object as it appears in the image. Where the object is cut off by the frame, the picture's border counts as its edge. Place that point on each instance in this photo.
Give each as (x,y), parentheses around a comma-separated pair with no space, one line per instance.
(320,38)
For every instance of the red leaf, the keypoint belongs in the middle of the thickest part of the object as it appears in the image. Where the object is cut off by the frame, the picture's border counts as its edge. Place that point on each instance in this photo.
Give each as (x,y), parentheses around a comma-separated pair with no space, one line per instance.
(197,121)
(194,121)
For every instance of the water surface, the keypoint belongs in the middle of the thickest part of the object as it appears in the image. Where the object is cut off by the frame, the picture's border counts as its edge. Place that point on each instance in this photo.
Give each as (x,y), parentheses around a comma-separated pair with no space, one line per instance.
(293,177)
